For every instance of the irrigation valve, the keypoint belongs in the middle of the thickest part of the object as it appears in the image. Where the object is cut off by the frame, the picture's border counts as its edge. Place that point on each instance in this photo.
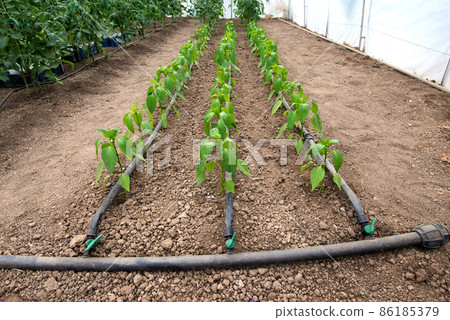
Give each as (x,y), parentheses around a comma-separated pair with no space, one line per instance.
(91,243)
(370,228)
(230,242)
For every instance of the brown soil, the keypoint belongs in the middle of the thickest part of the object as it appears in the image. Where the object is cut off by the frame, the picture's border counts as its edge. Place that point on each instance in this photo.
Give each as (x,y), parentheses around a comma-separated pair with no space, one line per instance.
(381,117)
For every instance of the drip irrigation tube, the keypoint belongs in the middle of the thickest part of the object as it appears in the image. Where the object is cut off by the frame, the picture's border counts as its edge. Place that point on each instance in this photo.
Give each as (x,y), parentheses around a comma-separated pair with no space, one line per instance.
(84,66)
(228,232)
(356,203)
(427,236)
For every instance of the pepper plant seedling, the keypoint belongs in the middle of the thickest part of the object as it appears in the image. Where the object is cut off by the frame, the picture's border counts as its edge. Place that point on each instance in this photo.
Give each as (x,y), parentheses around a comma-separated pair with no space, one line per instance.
(110,157)
(318,172)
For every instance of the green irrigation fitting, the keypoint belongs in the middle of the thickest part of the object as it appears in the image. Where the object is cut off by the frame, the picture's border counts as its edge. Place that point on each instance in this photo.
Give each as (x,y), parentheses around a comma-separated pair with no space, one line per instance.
(230,242)
(370,228)
(91,243)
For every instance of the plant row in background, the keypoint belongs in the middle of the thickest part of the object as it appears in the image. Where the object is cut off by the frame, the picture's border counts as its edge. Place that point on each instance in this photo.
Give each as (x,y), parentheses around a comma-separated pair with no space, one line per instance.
(301,109)
(219,119)
(36,34)
(167,84)
(206,11)
(249,10)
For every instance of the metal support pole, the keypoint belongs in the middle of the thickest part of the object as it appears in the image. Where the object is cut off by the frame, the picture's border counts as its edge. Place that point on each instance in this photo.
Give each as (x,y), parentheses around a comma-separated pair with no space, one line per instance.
(362,25)
(445,72)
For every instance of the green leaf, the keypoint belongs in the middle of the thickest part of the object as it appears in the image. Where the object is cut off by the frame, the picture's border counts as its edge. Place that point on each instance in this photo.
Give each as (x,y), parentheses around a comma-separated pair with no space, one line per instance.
(161,94)
(125,147)
(97,143)
(338,159)
(229,161)
(277,83)
(283,127)
(109,156)
(207,128)
(299,145)
(291,119)
(3,41)
(215,106)
(148,127)
(317,175)
(129,123)
(242,165)
(169,84)
(151,102)
(314,107)
(305,166)
(163,120)
(317,124)
(180,94)
(276,106)
(200,172)
(124,181)
(303,110)
(222,128)
(205,148)
(210,166)
(101,165)
(229,185)
(337,179)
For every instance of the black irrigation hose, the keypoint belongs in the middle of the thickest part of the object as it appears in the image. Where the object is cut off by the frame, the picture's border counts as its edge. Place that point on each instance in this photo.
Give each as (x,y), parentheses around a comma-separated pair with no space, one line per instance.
(356,203)
(84,66)
(427,236)
(228,232)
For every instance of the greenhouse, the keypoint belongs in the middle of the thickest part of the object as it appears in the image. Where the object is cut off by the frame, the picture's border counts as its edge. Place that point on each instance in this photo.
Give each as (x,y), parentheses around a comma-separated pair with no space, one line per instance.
(225,150)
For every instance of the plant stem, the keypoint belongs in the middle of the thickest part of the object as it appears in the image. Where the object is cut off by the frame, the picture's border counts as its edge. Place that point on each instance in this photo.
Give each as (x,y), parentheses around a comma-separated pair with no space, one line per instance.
(325,168)
(117,155)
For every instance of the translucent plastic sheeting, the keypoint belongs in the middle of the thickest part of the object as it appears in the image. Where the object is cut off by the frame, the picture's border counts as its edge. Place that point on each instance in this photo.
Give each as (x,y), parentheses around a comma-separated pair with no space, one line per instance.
(413,35)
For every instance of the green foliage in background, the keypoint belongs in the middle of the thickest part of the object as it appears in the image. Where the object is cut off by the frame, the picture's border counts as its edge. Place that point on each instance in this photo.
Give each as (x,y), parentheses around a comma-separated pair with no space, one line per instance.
(249,10)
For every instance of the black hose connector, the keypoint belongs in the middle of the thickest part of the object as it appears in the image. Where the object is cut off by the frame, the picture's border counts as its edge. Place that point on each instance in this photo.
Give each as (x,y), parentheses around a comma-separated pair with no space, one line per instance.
(433,235)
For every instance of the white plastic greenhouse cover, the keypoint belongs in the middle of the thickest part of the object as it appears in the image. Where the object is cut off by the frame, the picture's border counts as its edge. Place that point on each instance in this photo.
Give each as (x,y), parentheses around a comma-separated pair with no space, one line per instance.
(413,35)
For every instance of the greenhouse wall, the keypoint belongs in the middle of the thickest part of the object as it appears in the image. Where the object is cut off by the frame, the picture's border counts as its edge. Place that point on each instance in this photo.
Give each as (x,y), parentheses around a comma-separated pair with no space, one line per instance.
(413,35)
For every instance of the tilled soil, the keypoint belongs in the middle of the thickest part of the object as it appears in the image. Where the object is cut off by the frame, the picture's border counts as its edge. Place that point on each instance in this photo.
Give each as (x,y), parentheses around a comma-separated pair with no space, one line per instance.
(167,214)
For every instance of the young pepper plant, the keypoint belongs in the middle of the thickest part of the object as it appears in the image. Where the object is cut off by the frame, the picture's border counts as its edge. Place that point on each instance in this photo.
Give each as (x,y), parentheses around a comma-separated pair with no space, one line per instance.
(110,157)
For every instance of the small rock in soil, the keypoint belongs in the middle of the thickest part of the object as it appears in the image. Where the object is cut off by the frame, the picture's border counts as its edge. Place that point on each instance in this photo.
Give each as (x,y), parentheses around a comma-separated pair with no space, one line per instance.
(298,278)
(277,286)
(272,296)
(69,253)
(323,225)
(262,270)
(421,275)
(77,240)
(126,290)
(351,232)
(51,284)
(409,276)
(167,244)
(137,280)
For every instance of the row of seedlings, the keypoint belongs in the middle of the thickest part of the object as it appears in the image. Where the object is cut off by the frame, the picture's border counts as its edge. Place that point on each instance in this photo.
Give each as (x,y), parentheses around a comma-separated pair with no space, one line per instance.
(115,149)
(297,116)
(218,122)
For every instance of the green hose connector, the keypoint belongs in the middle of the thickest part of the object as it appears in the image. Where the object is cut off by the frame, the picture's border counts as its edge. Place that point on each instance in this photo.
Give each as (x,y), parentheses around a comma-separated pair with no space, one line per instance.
(91,243)
(230,242)
(370,228)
